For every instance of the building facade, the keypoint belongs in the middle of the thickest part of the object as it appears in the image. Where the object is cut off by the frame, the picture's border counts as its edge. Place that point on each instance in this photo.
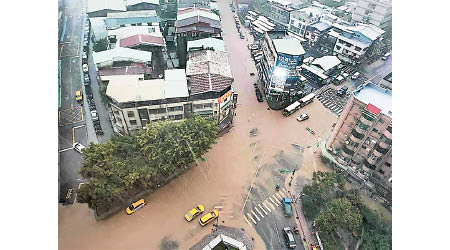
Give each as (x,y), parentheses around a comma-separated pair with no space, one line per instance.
(278,70)
(353,43)
(137,102)
(376,12)
(362,136)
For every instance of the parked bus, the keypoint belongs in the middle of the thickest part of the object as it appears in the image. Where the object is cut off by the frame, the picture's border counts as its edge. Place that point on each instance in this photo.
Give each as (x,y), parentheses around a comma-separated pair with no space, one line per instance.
(289,110)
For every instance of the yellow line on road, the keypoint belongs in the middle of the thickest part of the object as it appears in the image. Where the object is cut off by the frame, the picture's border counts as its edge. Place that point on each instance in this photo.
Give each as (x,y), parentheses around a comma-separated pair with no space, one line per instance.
(73,136)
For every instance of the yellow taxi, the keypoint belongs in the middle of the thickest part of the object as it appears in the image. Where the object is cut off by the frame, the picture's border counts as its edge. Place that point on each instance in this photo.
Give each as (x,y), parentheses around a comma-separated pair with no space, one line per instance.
(78,96)
(135,206)
(194,212)
(207,218)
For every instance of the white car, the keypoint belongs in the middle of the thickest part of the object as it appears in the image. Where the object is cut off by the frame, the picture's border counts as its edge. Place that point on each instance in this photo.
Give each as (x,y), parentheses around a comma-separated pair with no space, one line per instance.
(302,117)
(85,68)
(345,75)
(94,115)
(79,147)
(356,75)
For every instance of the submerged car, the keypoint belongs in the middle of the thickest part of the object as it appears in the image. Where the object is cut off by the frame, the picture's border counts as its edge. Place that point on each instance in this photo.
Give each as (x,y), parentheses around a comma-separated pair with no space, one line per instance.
(303,117)
(135,206)
(207,218)
(191,214)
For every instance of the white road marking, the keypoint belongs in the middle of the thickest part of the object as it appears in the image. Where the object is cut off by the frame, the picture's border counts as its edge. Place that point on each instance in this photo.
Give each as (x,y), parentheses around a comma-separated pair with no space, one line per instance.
(262,209)
(271,204)
(279,196)
(268,209)
(245,217)
(284,189)
(259,212)
(283,193)
(251,218)
(218,207)
(256,215)
(276,200)
(63,150)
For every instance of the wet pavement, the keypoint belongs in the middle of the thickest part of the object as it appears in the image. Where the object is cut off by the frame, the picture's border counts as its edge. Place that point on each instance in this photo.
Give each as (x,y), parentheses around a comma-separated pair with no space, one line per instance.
(222,181)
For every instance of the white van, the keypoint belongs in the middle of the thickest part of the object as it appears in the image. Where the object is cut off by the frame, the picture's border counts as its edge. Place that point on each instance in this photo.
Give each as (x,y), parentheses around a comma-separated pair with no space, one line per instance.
(385,57)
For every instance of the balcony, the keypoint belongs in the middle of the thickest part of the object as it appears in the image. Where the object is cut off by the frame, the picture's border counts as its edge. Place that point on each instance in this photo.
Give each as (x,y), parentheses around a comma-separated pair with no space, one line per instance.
(372,161)
(357,135)
(366,120)
(388,133)
(361,127)
(377,153)
(368,165)
(348,151)
(380,149)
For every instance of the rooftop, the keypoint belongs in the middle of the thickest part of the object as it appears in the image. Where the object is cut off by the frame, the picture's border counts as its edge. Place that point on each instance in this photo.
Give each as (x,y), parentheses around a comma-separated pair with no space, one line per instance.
(208,61)
(198,13)
(97,5)
(133,2)
(175,83)
(135,13)
(126,70)
(216,44)
(288,46)
(121,54)
(131,17)
(129,88)
(128,31)
(379,97)
(142,39)
(327,62)
(321,26)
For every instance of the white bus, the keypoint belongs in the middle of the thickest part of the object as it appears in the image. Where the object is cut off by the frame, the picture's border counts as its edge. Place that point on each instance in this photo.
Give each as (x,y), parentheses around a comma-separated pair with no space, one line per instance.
(291,108)
(298,104)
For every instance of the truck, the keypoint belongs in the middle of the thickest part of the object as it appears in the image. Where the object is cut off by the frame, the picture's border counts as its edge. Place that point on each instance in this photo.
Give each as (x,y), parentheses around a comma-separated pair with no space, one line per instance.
(287,203)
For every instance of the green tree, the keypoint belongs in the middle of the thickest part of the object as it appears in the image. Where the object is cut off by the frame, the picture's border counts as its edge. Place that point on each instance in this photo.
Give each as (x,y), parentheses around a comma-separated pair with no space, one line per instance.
(342,213)
(125,165)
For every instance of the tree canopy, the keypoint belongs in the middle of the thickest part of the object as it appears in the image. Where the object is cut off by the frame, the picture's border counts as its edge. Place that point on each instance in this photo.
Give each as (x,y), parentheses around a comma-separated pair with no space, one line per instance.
(126,165)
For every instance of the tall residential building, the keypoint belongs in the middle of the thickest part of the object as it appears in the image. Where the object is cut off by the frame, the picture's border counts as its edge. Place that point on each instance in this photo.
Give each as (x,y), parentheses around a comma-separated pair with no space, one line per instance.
(278,68)
(376,12)
(362,136)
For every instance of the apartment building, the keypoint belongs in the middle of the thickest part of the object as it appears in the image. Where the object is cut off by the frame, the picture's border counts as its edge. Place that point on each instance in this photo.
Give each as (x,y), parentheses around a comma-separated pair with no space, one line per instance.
(302,18)
(362,136)
(351,43)
(376,12)
(137,102)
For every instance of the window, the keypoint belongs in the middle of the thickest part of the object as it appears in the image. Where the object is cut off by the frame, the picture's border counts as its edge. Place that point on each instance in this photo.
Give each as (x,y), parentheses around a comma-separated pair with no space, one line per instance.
(119,120)
(157,111)
(116,112)
(177,108)
(357,48)
(387,164)
(338,47)
(375,130)
(207,105)
(133,122)
(130,114)
(178,117)
(381,171)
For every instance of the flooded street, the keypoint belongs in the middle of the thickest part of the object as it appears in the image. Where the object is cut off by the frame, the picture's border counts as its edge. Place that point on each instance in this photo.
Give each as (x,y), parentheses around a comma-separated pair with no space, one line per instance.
(220,181)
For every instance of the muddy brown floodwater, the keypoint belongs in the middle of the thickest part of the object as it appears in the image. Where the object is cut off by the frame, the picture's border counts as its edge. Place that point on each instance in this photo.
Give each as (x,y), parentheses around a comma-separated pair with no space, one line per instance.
(222,180)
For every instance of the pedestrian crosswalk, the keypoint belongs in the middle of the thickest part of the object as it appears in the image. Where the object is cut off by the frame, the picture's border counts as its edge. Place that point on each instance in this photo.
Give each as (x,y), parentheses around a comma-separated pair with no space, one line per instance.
(261,210)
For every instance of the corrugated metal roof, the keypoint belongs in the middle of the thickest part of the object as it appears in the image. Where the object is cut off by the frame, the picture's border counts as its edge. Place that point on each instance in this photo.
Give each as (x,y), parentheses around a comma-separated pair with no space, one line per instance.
(198,13)
(115,22)
(288,46)
(132,13)
(128,31)
(121,54)
(216,44)
(96,5)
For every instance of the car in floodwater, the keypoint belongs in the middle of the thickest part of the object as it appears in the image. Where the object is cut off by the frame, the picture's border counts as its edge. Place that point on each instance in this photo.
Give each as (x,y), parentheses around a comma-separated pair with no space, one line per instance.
(191,214)
(207,218)
(135,206)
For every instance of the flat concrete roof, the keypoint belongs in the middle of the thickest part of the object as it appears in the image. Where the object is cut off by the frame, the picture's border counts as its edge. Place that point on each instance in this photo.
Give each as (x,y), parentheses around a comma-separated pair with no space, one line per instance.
(289,46)
(375,95)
